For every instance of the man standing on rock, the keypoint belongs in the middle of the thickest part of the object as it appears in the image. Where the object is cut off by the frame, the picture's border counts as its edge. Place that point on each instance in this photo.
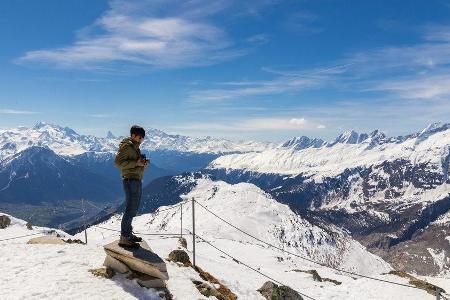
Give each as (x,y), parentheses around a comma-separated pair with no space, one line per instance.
(131,163)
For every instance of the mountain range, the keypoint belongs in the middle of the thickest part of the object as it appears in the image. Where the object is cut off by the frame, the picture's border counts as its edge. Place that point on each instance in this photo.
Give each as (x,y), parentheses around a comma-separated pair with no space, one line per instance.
(390,194)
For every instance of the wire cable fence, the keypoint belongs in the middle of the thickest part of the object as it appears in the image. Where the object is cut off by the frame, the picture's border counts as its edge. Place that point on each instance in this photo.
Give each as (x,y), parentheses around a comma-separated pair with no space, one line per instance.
(175,235)
(43,232)
(247,265)
(300,256)
(141,233)
(22,236)
(157,211)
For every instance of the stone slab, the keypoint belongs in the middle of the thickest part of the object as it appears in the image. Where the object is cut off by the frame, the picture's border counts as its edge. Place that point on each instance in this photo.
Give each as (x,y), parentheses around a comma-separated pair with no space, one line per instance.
(116,265)
(47,240)
(140,259)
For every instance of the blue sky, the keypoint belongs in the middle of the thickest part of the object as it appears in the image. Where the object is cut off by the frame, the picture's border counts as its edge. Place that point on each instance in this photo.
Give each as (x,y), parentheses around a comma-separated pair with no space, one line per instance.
(264,70)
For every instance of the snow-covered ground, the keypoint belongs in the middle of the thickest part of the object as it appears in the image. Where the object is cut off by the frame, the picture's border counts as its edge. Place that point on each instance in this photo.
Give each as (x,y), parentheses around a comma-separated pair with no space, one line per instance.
(61,271)
(34,271)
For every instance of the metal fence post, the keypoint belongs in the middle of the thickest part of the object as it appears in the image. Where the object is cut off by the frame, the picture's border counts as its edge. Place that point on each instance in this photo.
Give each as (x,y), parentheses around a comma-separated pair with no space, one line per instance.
(438,293)
(181,226)
(84,221)
(193,230)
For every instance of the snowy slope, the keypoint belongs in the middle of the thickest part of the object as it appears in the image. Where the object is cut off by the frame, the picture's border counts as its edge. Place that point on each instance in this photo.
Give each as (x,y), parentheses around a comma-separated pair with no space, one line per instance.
(249,208)
(431,145)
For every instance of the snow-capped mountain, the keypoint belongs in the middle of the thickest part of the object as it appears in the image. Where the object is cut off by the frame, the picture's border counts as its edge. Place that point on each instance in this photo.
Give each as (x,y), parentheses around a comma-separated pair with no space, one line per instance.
(45,188)
(430,146)
(65,141)
(169,154)
(49,178)
(388,192)
(303,142)
(48,163)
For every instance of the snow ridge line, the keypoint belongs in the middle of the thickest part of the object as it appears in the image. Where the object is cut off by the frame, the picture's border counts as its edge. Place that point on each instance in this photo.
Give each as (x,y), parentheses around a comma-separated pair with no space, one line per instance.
(302,257)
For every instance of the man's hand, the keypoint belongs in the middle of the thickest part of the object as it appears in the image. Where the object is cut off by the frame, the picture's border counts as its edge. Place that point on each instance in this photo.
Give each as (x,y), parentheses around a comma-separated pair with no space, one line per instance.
(140,163)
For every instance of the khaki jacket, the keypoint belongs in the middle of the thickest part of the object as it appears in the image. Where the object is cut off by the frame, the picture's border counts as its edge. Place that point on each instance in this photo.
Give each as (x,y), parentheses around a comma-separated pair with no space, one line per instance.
(126,159)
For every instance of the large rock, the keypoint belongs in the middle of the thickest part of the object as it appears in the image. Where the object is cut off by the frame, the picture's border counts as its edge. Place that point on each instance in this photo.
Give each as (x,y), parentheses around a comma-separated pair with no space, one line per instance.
(272,291)
(5,221)
(142,259)
(179,256)
(47,240)
(208,290)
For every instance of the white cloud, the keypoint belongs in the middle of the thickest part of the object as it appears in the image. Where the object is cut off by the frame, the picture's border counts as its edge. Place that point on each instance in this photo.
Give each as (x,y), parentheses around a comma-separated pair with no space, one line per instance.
(303,22)
(100,116)
(418,87)
(258,39)
(431,52)
(17,112)
(285,82)
(133,32)
(254,124)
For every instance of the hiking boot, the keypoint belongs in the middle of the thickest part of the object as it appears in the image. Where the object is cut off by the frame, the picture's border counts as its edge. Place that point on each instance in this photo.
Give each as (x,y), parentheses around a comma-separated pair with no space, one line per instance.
(135,238)
(126,242)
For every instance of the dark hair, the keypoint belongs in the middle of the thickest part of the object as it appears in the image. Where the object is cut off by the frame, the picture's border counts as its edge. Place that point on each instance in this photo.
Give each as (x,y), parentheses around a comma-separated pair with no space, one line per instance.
(137,130)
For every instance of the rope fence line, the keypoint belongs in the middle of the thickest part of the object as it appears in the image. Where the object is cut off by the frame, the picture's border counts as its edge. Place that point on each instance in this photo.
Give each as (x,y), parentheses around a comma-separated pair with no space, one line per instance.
(300,256)
(162,234)
(22,236)
(173,206)
(101,209)
(247,266)
(155,212)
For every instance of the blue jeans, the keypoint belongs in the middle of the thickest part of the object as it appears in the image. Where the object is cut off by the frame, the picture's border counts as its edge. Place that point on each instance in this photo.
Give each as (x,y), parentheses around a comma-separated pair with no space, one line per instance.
(133,192)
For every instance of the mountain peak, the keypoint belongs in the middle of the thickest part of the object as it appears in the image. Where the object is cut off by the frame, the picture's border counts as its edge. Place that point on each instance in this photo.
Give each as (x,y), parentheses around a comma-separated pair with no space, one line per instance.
(353,137)
(303,142)
(350,137)
(155,132)
(41,124)
(110,135)
(434,127)
(48,127)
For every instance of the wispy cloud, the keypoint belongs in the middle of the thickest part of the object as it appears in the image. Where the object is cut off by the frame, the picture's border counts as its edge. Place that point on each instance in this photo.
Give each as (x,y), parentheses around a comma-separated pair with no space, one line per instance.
(246,89)
(416,87)
(285,81)
(144,33)
(418,71)
(258,39)
(431,52)
(303,22)
(17,112)
(254,124)
(99,116)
